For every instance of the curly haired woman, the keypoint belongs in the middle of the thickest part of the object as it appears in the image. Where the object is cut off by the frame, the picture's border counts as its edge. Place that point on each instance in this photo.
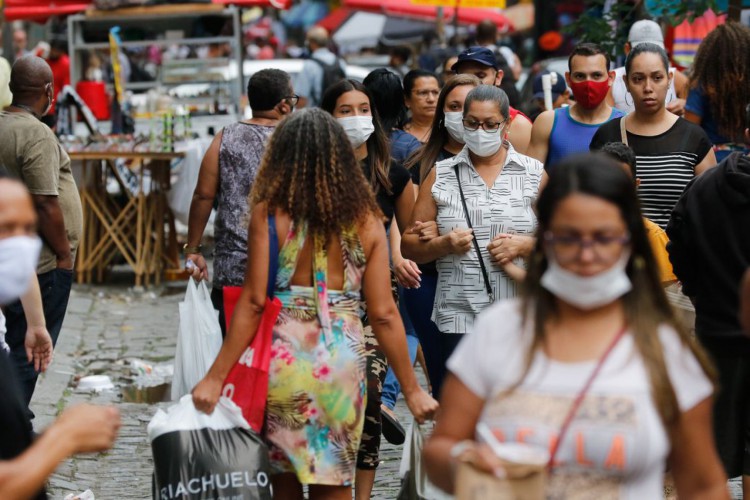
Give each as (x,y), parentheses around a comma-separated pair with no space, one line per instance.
(720,87)
(333,247)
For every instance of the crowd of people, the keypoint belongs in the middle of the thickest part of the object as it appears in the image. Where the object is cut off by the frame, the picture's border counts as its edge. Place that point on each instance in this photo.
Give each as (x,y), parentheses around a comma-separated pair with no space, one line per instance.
(519,262)
(528,262)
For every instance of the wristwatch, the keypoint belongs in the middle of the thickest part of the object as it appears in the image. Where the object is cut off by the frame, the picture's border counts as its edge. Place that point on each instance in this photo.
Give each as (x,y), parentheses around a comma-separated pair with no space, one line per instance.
(189,250)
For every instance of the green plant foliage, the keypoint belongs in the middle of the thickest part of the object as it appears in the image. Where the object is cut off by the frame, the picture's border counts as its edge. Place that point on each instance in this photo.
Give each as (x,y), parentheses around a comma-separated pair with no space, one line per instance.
(609,29)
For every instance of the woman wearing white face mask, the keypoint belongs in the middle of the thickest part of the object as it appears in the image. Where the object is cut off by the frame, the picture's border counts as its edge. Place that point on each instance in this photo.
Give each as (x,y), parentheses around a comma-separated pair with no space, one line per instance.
(472,211)
(352,105)
(446,140)
(590,366)
(26,461)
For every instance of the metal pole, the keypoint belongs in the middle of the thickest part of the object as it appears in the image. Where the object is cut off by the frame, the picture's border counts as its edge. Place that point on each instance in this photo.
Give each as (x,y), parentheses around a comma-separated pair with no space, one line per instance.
(440,25)
(7,36)
(455,19)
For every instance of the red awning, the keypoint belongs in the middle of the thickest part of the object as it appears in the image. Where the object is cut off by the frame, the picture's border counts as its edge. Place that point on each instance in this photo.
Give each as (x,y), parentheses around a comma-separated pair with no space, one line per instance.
(277,4)
(404,8)
(335,19)
(41,10)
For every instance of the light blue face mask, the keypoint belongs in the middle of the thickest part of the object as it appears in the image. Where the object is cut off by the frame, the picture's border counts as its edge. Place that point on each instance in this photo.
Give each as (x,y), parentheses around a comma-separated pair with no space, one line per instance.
(587,292)
(18,259)
(455,125)
(358,129)
(483,143)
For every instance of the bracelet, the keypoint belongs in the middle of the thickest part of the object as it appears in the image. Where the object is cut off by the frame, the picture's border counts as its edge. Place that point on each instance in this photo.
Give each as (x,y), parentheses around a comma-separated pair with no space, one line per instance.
(194,250)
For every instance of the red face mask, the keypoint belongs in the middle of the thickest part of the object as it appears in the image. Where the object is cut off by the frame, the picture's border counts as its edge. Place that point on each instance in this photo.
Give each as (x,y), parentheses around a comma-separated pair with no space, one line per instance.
(590,94)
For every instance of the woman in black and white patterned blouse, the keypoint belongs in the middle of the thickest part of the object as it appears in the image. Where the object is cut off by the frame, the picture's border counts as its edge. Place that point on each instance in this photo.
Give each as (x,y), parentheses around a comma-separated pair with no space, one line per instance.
(499,187)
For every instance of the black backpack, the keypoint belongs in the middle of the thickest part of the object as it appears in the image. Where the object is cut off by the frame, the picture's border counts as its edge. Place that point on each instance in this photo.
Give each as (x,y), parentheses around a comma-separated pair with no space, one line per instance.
(332,73)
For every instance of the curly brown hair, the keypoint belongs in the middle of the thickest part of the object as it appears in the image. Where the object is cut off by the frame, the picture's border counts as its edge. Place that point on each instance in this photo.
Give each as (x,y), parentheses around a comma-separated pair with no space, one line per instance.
(309,172)
(722,70)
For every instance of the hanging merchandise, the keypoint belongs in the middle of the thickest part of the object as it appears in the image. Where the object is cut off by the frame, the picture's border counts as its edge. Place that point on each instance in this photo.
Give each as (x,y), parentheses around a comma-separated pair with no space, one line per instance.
(688,36)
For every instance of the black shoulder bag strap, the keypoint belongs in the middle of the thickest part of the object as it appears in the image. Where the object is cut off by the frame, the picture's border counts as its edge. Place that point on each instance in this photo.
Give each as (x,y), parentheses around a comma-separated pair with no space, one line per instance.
(486,276)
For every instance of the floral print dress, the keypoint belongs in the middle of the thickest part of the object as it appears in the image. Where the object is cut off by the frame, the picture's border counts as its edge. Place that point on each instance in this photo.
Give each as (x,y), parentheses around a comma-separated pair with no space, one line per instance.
(316,390)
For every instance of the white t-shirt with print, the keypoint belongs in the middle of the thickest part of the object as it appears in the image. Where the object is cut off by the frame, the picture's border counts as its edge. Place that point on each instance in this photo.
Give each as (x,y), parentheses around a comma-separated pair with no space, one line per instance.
(616,446)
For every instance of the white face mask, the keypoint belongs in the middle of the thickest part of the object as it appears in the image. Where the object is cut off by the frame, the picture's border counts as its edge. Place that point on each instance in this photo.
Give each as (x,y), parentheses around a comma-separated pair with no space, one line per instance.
(358,129)
(588,292)
(18,259)
(483,143)
(455,125)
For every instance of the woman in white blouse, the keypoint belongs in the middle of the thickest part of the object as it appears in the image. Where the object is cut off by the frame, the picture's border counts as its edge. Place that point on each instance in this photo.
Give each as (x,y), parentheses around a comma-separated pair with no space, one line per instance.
(590,364)
(474,216)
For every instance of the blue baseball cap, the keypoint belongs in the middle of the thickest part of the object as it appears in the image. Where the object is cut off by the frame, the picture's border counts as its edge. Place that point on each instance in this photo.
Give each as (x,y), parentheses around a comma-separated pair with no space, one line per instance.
(481,55)
(558,87)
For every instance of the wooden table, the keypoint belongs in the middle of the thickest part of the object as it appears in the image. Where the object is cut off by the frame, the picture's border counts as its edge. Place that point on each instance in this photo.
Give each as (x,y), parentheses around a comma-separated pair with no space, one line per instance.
(130,224)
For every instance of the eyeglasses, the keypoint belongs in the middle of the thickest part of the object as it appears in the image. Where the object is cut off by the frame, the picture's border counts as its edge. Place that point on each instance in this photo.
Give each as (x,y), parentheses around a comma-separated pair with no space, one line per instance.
(424,94)
(472,125)
(569,248)
(292,100)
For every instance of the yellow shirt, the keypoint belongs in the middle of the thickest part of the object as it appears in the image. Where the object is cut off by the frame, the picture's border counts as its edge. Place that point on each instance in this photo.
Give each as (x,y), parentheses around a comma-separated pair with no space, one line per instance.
(658,240)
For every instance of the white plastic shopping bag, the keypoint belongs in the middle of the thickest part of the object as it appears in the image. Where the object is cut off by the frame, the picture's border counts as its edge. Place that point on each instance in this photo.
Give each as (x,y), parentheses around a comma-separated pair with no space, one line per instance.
(198,339)
(199,456)
(414,482)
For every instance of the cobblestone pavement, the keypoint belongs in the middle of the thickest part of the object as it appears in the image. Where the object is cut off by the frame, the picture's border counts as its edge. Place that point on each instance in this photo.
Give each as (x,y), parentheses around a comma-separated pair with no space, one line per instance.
(105,328)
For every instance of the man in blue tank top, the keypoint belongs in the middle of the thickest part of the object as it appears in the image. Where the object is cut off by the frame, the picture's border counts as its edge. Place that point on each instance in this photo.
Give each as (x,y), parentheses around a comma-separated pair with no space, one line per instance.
(565,131)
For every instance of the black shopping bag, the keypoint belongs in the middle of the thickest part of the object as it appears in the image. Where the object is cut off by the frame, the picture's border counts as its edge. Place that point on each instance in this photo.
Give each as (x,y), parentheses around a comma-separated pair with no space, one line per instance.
(198,456)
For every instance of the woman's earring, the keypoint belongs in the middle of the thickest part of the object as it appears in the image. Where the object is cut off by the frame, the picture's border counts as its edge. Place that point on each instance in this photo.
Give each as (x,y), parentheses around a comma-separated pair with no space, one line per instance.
(639,263)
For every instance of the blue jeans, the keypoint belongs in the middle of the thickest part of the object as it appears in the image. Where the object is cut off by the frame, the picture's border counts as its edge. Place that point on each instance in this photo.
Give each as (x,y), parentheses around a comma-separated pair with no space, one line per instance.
(55,287)
(419,302)
(391,387)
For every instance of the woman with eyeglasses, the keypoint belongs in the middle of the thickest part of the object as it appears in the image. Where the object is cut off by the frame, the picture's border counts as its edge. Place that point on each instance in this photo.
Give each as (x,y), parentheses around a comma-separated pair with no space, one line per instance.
(589,366)
(421,91)
(351,103)
(446,140)
(226,177)
(474,217)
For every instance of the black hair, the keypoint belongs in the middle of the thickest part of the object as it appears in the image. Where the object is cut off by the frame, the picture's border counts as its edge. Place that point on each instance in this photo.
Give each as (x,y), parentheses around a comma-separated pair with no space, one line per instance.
(401,51)
(622,153)
(411,77)
(378,153)
(747,116)
(588,49)
(60,44)
(646,47)
(267,88)
(486,31)
(484,93)
(721,72)
(388,98)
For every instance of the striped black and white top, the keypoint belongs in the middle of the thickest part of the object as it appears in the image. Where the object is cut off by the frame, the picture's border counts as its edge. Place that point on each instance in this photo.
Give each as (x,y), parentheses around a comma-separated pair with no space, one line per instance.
(504,207)
(665,163)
